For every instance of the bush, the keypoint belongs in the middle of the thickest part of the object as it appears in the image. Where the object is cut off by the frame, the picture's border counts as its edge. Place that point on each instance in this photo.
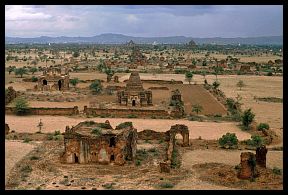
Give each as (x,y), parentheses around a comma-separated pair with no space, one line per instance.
(166,185)
(21,106)
(34,79)
(26,169)
(138,162)
(263,126)
(229,140)
(50,137)
(255,141)
(97,131)
(74,81)
(57,137)
(247,118)
(27,140)
(124,125)
(132,116)
(57,133)
(216,84)
(34,158)
(277,171)
(96,87)
(269,74)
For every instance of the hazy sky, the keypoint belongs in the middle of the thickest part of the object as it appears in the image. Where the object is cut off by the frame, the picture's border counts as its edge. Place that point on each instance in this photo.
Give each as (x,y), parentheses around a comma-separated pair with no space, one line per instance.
(144,20)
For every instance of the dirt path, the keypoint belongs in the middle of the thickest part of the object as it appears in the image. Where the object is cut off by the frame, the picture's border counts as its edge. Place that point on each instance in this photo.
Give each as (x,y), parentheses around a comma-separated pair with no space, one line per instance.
(207,130)
(14,152)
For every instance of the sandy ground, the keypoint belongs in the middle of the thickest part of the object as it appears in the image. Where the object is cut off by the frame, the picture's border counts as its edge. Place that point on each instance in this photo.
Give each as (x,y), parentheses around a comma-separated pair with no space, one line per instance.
(190,158)
(207,130)
(14,152)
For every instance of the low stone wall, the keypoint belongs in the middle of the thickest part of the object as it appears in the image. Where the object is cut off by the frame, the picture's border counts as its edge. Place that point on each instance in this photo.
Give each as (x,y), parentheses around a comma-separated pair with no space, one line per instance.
(148,134)
(47,111)
(125,112)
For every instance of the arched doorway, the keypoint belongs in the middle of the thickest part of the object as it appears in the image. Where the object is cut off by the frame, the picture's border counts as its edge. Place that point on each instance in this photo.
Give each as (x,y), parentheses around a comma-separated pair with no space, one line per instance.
(179,139)
(133,102)
(76,159)
(44,82)
(59,84)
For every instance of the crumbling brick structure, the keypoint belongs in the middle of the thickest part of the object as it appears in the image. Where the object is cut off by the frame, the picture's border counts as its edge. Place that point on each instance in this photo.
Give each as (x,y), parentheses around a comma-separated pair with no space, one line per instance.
(134,93)
(261,153)
(10,95)
(53,80)
(91,142)
(7,129)
(248,166)
(178,108)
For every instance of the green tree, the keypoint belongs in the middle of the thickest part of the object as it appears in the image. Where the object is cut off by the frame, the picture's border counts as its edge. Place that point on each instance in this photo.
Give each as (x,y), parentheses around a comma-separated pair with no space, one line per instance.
(20,71)
(247,118)
(197,108)
(76,54)
(74,81)
(33,70)
(216,84)
(240,84)
(96,87)
(189,76)
(21,106)
(11,69)
(228,140)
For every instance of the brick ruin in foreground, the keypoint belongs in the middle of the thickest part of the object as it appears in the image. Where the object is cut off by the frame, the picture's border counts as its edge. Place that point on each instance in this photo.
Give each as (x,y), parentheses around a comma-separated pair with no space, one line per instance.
(134,93)
(91,142)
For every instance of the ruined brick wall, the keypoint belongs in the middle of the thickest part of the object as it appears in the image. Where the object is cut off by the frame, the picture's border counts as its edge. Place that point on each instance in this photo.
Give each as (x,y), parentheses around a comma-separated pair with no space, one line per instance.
(153,135)
(160,82)
(7,129)
(11,95)
(47,111)
(126,112)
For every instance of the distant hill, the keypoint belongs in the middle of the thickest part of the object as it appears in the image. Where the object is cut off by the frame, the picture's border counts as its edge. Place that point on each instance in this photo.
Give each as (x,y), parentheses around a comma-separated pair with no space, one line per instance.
(110,38)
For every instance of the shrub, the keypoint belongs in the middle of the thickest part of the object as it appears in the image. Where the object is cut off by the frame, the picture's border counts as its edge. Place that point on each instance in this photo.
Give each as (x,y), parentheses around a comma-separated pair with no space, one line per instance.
(50,137)
(229,140)
(269,74)
(247,118)
(255,141)
(57,137)
(21,106)
(277,171)
(34,158)
(27,140)
(263,126)
(74,81)
(175,162)
(166,185)
(34,79)
(216,84)
(20,71)
(132,116)
(124,125)
(96,87)
(97,131)
(138,162)
(26,169)
(57,133)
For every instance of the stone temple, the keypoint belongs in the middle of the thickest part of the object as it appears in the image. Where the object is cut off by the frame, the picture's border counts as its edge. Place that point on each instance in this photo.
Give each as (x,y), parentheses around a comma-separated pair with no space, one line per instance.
(91,142)
(53,80)
(134,94)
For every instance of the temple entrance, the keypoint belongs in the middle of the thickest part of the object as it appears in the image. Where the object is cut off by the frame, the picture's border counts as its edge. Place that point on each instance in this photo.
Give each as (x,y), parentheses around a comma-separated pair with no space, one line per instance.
(76,158)
(59,84)
(112,142)
(44,82)
(112,157)
(133,102)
